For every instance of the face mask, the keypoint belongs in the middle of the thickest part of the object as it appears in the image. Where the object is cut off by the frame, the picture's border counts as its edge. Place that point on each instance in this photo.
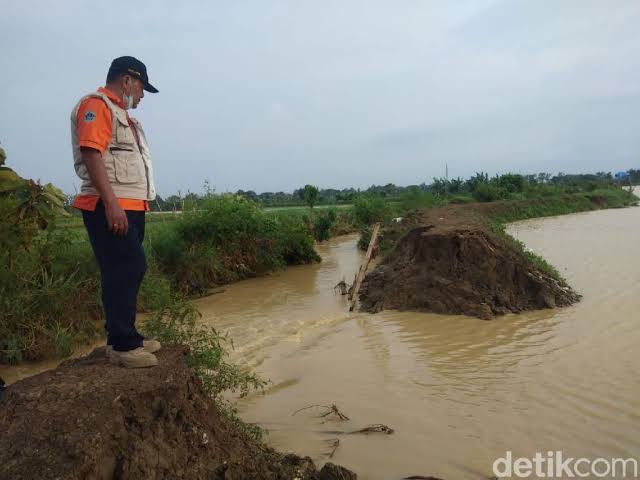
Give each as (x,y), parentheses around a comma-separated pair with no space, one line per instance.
(128,101)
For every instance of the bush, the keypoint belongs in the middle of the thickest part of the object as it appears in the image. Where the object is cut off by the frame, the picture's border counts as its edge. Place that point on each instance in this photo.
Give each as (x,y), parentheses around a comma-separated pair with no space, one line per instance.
(295,246)
(323,221)
(511,183)
(228,239)
(370,209)
(418,199)
(345,222)
(488,192)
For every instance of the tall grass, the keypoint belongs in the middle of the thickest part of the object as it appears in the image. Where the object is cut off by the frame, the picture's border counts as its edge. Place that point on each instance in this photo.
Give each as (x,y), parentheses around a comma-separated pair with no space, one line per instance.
(228,239)
(563,203)
(49,285)
(48,295)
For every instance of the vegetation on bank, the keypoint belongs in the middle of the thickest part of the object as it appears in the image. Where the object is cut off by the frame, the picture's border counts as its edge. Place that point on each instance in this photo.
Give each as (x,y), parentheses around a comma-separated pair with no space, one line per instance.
(612,197)
(46,288)
(520,197)
(50,290)
(176,324)
(49,283)
(228,239)
(49,280)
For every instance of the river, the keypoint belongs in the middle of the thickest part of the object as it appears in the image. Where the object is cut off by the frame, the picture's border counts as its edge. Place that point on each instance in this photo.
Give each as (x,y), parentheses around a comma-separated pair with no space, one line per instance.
(459,392)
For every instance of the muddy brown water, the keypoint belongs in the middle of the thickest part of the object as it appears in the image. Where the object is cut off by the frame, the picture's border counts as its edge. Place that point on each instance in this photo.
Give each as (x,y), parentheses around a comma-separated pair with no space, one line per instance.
(458,391)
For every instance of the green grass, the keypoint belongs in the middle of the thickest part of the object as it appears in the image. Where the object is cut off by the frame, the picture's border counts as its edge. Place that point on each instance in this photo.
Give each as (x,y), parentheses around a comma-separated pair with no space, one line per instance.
(500,229)
(551,206)
(50,294)
(564,204)
(306,209)
(49,281)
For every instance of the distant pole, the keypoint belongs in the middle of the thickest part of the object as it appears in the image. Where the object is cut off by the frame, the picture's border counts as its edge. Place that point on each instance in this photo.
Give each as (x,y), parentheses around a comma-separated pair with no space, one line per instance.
(446,171)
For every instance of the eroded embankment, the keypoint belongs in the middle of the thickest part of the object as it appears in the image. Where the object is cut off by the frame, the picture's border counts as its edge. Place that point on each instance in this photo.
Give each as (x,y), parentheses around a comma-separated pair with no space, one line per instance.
(88,419)
(454,263)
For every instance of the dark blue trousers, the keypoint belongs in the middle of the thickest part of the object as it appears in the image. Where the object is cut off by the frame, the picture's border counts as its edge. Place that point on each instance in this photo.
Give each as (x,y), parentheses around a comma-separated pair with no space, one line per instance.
(122,268)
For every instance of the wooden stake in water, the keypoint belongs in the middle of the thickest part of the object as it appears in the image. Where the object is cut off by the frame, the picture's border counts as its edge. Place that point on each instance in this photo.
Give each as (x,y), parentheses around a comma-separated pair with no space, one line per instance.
(353,298)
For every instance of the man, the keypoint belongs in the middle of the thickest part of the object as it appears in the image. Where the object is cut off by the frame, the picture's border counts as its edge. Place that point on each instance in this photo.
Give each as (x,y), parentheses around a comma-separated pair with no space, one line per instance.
(111,157)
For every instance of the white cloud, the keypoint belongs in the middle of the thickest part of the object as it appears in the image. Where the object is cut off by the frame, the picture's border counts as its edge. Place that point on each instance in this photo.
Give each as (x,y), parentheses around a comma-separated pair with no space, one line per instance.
(273,95)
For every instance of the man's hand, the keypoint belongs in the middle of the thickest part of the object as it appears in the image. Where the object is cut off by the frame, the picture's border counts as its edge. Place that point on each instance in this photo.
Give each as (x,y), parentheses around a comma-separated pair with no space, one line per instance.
(116,218)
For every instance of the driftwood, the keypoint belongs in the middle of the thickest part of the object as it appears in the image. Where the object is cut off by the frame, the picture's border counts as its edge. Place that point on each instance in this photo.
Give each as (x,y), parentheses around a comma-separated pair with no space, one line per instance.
(420,477)
(330,410)
(334,443)
(377,428)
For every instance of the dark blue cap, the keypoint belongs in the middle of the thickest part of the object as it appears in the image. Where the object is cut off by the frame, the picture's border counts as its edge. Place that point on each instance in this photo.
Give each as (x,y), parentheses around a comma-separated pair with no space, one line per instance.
(134,67)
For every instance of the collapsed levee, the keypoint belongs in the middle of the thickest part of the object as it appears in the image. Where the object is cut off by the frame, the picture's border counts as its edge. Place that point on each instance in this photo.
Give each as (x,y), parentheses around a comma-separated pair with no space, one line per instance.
(470,271)
(88,419)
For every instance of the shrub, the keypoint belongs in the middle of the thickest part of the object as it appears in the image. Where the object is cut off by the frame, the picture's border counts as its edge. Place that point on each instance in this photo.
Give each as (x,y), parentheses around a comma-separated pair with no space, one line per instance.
(369,209)
(418,199)
(295,246)
(488,192)
(228,239)
(511,183)
(323,220)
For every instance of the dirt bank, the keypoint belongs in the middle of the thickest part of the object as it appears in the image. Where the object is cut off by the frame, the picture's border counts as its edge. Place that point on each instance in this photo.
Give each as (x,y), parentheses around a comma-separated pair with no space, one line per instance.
(447,260)
(87,419)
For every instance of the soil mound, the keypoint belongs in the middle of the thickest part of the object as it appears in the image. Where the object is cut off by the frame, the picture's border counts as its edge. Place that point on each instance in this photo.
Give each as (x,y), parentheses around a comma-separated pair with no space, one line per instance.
(90,420)
(445,268)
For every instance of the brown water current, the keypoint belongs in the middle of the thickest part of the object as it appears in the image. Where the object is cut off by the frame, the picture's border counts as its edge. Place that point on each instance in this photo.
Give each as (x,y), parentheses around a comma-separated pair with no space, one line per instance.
(458,391)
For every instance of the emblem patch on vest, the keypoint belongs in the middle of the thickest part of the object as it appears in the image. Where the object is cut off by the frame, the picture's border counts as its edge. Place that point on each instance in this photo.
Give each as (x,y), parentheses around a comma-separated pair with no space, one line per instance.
(89,116)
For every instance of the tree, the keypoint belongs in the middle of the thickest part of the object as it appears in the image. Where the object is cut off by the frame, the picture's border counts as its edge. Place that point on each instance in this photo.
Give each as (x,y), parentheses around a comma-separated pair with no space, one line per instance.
(310,196)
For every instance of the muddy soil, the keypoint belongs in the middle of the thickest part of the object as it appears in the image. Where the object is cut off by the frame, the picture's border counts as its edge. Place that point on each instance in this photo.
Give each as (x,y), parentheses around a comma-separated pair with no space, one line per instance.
(447,260)
(88,419)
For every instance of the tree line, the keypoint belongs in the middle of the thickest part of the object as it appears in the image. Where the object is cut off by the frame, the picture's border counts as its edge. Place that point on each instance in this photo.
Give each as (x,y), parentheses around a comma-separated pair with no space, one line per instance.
(497,186)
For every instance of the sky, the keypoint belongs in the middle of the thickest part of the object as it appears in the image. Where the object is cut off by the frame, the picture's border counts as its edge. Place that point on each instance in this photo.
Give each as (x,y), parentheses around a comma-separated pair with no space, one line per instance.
(272,95)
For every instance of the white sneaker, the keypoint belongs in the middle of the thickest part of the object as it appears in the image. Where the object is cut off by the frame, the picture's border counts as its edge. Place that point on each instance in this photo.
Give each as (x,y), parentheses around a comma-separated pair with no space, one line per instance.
(137,358)
(151,346)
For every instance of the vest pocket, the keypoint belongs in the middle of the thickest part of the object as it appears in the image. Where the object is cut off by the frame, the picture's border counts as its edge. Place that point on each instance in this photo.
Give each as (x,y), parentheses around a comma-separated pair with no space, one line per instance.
(124,134)
(125,161)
